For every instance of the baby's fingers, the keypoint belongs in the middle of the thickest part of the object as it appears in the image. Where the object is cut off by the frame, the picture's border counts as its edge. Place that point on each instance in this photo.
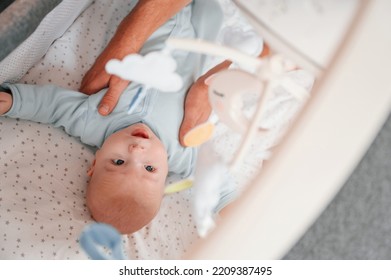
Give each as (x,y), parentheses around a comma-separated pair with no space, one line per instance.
(5,102)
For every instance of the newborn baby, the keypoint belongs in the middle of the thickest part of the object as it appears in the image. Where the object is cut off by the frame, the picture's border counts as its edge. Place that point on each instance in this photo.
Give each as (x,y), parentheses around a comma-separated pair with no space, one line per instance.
(135,151)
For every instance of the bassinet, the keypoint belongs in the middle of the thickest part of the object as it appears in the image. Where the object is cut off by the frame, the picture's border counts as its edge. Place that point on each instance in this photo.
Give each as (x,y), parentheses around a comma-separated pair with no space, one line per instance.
(42,170)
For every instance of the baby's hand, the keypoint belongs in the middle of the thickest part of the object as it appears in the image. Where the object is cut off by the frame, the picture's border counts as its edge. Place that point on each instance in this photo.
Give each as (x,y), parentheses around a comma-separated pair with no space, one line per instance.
(5,102)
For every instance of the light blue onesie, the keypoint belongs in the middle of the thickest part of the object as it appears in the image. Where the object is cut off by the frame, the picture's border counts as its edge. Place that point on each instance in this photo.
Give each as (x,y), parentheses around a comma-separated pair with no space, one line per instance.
(161,111)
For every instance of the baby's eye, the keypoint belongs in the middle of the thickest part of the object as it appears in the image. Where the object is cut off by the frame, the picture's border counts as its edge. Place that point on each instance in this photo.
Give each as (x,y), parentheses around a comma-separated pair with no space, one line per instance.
(118,161)
(149,168)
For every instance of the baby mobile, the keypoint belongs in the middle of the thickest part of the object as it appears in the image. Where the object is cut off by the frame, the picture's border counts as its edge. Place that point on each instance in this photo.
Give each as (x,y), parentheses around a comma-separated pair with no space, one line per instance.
(212,175)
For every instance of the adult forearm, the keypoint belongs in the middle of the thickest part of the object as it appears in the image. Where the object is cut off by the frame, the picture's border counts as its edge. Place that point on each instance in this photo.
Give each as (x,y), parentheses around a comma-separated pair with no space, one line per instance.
(142,21)
(134,30)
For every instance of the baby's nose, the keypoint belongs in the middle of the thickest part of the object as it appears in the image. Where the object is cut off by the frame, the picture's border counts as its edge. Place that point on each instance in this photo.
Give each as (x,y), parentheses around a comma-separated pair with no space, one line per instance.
(133,147)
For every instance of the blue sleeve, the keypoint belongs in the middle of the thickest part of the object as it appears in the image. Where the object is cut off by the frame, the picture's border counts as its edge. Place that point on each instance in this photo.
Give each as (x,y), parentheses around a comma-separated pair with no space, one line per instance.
(49,104)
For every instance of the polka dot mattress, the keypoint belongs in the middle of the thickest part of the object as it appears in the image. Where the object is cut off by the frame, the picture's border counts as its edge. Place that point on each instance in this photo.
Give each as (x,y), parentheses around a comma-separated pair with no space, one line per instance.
(43,170)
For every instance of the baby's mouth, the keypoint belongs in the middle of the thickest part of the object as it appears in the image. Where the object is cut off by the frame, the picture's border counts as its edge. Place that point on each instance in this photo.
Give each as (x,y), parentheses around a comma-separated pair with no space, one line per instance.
(139,132)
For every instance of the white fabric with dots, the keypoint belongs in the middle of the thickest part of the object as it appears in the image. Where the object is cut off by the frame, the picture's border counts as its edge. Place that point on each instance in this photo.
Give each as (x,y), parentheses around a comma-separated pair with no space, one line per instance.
(43,170)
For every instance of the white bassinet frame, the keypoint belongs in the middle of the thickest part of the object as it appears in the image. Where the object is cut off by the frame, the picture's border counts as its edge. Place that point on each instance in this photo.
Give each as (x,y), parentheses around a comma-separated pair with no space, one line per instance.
(282,202)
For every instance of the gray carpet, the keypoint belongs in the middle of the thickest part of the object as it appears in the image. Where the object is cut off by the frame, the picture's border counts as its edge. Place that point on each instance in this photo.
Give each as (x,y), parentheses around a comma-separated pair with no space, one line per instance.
(357,223)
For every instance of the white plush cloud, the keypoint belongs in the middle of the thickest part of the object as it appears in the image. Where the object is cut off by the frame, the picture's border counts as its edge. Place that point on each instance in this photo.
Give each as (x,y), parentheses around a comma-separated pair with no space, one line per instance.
(155,70)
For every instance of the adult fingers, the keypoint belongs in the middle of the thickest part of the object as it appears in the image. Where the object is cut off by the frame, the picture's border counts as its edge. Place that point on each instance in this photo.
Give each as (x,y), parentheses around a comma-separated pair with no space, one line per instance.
(93,82)
(110,99)
(185,127)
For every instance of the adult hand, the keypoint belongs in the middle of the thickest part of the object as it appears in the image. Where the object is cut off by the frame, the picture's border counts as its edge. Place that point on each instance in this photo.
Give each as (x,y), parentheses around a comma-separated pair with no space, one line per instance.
(129,38)
(197,109)
(97,78)
(197,106)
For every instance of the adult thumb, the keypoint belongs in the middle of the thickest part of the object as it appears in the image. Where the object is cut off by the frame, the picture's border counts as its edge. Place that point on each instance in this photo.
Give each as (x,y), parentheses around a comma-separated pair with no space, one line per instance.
(111,97)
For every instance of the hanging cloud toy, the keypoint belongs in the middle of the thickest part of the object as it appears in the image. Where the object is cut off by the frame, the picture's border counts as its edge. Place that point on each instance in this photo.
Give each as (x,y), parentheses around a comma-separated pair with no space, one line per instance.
(155,70)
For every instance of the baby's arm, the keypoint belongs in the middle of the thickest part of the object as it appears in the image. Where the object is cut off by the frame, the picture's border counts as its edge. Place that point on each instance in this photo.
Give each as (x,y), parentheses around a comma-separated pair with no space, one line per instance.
(5,102)
(46,104)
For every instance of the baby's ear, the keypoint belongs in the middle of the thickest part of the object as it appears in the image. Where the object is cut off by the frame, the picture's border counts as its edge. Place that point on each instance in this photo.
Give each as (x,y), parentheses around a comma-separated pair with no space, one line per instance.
(90,170)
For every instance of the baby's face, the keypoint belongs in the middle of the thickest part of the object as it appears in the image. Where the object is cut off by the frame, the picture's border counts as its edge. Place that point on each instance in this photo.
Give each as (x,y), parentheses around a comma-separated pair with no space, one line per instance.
(128,178)
(134,153)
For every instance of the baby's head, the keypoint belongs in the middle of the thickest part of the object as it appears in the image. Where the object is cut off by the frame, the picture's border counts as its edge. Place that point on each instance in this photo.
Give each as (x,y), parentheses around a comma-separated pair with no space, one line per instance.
(127,179)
